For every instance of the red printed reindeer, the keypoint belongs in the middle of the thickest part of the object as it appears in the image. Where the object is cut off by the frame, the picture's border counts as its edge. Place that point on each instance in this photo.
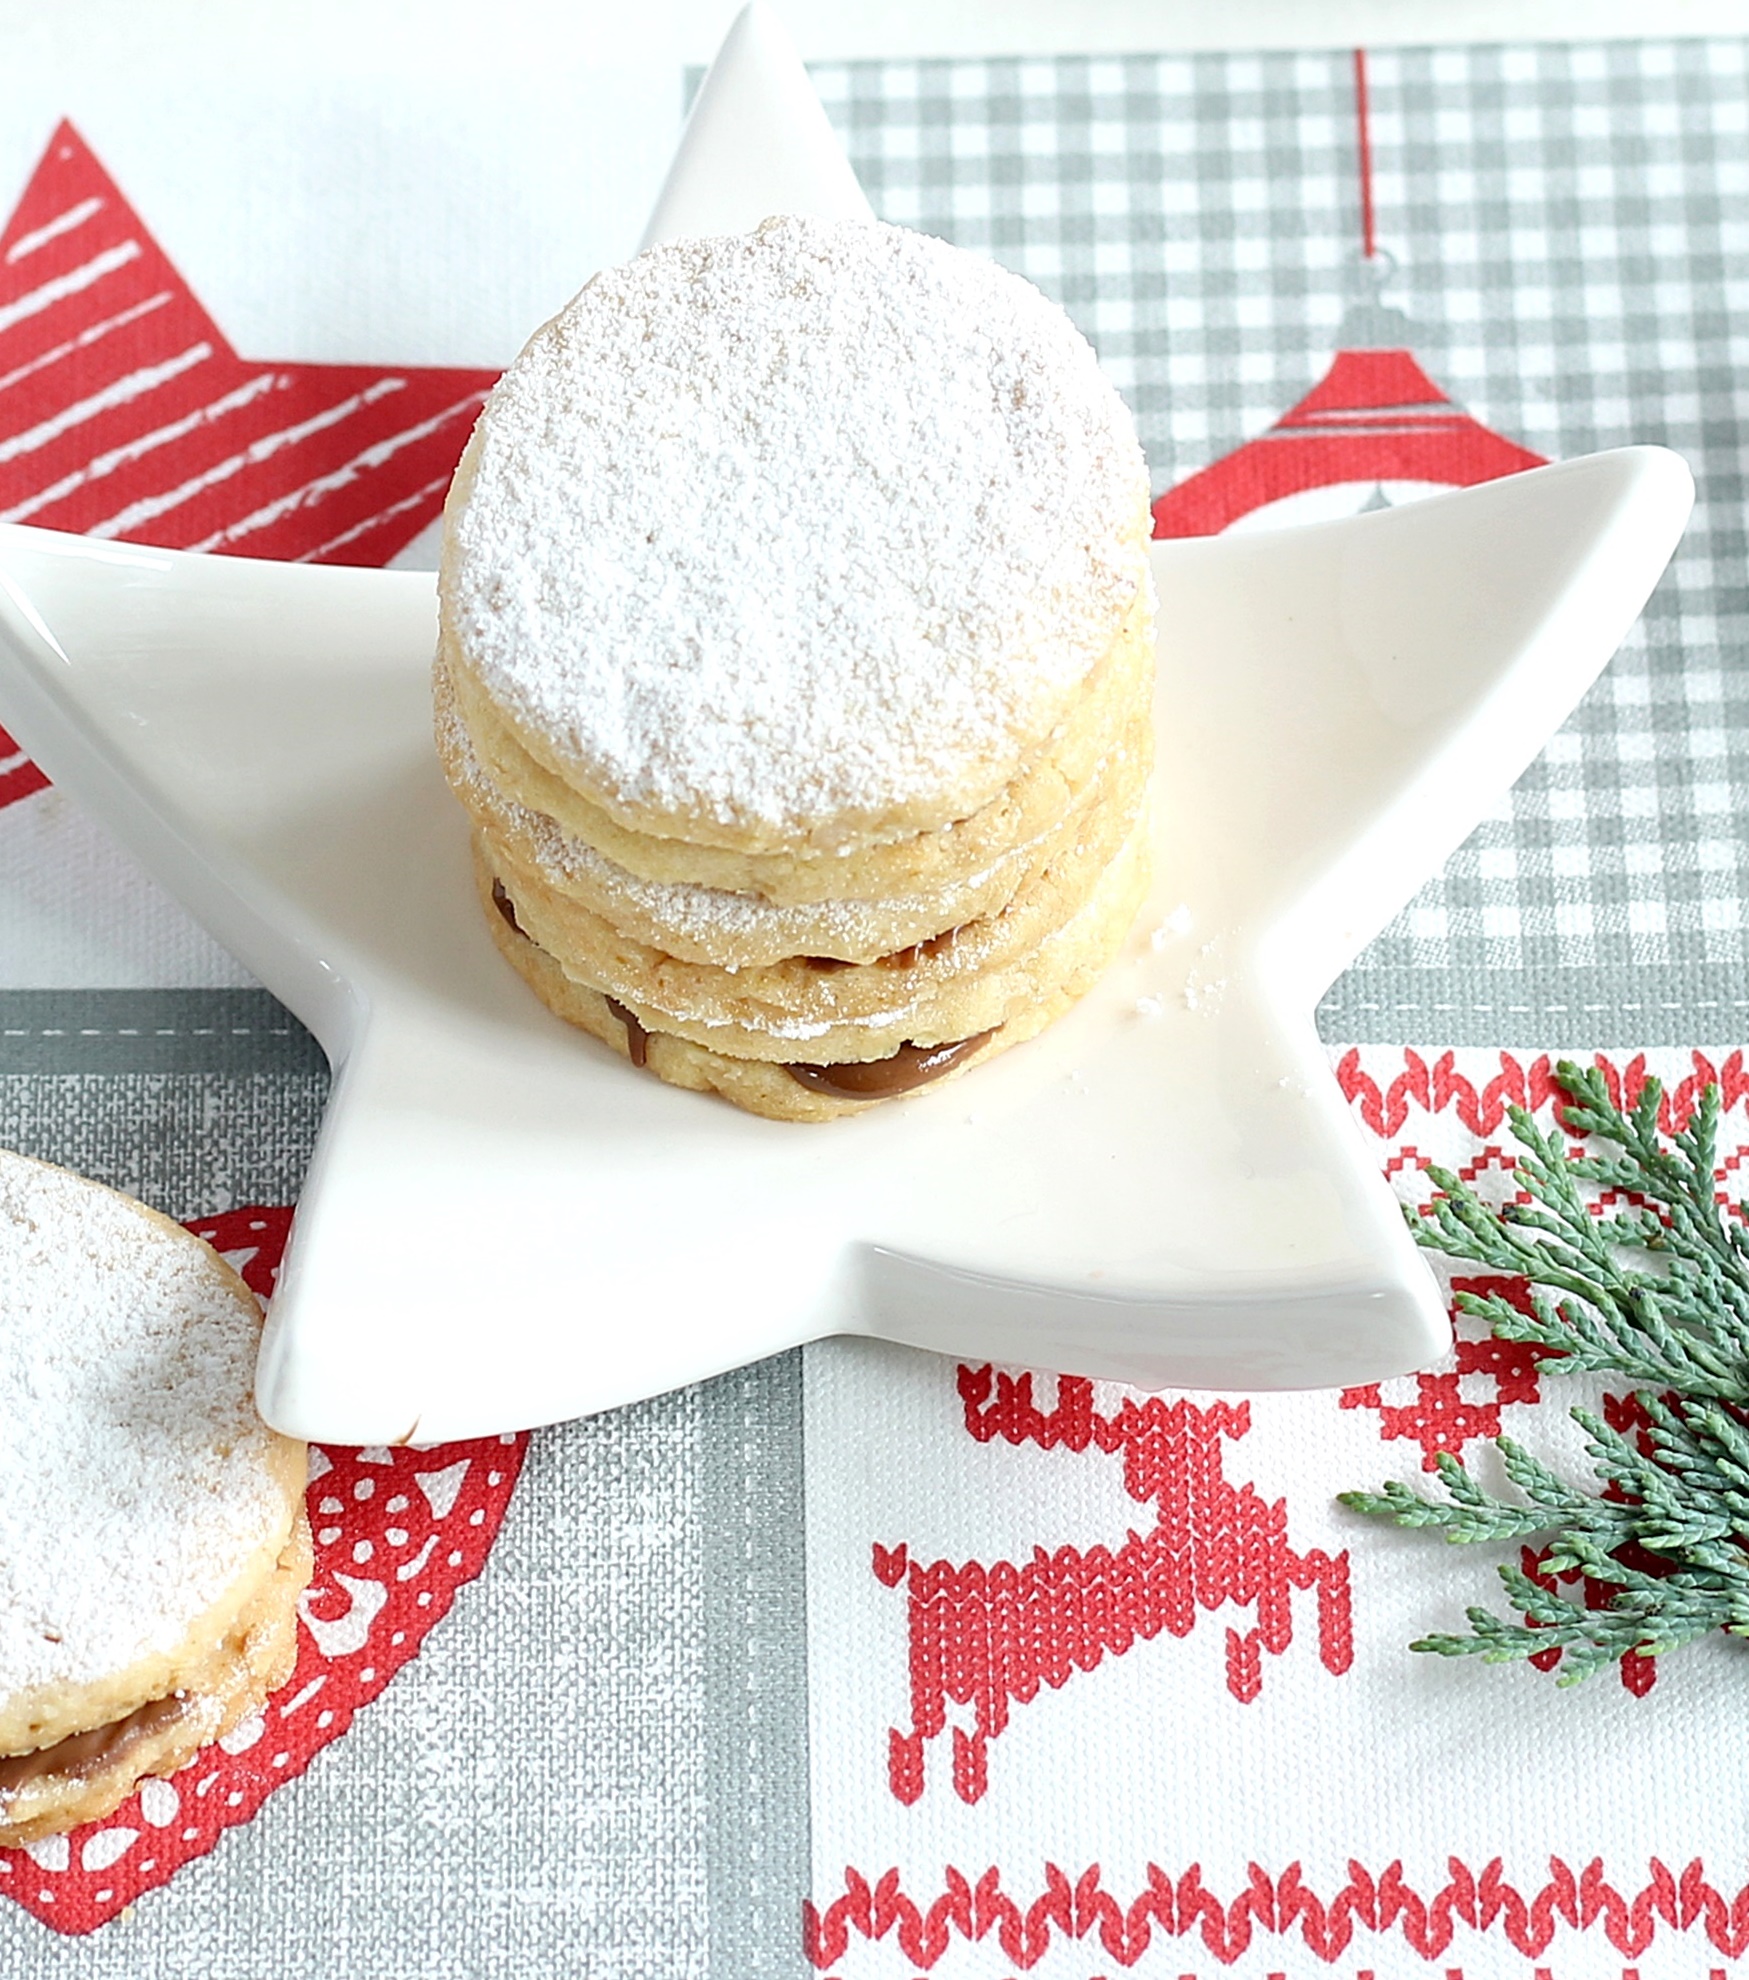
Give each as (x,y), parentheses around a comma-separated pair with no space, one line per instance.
(988,1636)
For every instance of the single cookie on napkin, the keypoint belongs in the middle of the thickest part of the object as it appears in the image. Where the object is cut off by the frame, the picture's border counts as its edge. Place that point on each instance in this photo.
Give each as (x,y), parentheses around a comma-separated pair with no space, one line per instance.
(152,1534)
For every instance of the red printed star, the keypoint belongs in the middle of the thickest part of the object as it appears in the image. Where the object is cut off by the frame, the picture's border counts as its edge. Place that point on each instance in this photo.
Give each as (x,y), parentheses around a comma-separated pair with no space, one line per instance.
(125,413)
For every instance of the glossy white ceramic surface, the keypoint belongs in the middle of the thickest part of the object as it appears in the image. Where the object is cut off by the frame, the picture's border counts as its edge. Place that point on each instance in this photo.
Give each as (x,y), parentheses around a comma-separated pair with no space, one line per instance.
(506,1224)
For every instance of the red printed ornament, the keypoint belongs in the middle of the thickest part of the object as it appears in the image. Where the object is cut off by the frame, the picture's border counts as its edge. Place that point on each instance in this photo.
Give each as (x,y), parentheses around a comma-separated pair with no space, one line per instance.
(1458,1405)
(396,1532)
(1375,429)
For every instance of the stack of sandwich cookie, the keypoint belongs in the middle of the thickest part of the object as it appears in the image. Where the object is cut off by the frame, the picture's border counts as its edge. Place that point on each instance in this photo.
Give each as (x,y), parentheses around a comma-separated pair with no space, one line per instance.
(153,1543)
(796,663)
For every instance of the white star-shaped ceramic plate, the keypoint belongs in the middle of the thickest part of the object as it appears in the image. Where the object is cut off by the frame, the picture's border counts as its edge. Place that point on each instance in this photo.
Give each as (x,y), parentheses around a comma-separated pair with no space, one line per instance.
(505,1224)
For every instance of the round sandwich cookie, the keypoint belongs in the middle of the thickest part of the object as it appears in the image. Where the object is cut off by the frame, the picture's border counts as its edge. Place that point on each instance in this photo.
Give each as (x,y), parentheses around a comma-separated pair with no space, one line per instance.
(838,1069)
(971,977)
(738,931)
(1045,787)
(153,1543)
(796,663)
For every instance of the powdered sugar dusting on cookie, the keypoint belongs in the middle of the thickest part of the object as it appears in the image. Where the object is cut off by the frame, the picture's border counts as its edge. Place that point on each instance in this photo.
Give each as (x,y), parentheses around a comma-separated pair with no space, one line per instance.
(796,531)
(134,1472)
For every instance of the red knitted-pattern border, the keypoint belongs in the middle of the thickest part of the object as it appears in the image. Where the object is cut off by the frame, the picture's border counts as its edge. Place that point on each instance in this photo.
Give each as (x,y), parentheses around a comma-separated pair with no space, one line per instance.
(1183,1908)
(1438,1086)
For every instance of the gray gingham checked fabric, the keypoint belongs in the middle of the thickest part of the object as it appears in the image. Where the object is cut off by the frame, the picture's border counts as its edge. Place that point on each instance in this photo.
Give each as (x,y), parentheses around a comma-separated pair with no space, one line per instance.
(1570,230)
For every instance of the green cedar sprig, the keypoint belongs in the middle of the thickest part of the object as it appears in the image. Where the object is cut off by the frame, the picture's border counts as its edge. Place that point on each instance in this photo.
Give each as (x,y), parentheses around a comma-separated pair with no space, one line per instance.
(1657,1291)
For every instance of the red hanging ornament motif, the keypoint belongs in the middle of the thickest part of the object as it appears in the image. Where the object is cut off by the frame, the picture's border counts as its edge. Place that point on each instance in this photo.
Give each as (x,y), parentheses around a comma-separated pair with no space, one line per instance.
(1374,430)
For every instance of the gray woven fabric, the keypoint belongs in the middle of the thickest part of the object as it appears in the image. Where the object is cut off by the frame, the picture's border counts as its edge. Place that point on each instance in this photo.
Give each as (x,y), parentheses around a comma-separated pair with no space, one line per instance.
(137,1031)
(1566,222)
(598,1763)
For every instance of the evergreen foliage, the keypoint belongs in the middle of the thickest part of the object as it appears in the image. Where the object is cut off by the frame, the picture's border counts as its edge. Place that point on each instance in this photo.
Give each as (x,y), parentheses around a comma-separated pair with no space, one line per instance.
(1658,1292)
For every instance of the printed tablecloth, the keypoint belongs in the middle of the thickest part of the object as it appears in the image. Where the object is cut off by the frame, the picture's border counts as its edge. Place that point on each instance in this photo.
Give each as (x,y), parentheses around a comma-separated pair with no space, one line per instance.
(862,1662)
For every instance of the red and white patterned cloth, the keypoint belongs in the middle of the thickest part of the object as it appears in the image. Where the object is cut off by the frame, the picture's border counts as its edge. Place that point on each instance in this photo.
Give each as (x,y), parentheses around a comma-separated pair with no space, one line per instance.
(1103,1682)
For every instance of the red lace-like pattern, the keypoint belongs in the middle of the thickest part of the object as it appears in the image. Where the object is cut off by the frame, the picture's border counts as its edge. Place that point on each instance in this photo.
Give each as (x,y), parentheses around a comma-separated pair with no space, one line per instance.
(396,1533)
